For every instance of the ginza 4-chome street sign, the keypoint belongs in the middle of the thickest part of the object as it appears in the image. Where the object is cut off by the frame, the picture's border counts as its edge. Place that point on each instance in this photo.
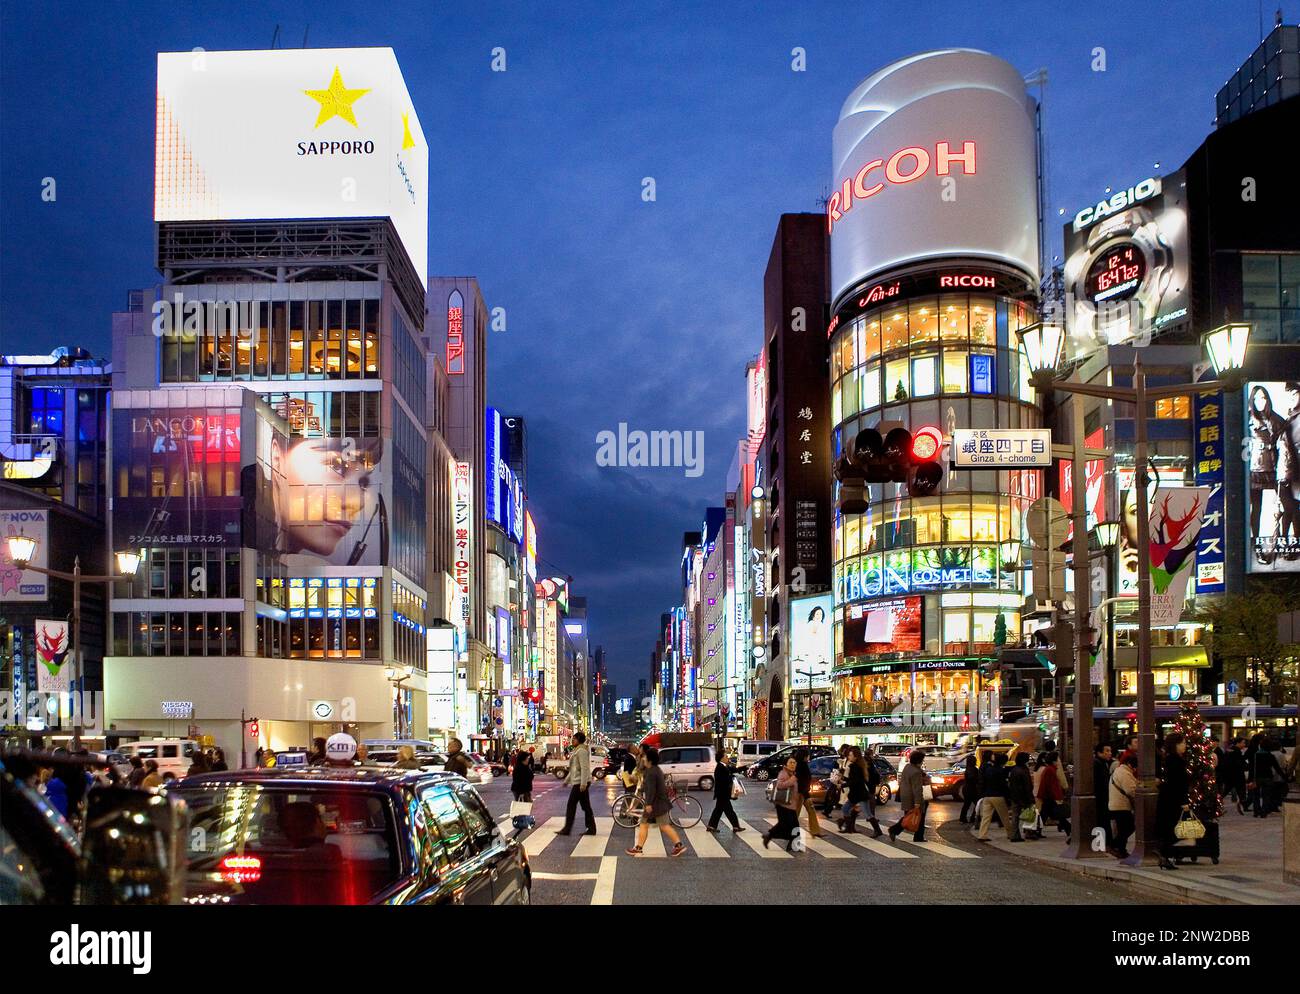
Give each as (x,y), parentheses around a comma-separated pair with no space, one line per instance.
(980,448)
(291,133)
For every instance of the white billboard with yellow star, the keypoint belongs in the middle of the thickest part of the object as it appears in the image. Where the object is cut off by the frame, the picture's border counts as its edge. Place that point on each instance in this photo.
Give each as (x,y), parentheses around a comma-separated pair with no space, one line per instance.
(291,133)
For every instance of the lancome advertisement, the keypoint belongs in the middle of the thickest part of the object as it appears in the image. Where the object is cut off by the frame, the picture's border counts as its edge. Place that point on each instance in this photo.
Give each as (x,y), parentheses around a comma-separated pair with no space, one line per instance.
(1272,434)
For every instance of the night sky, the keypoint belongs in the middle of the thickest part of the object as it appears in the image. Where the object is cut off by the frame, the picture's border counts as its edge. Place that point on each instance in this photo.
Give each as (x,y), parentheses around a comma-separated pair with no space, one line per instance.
(617,309)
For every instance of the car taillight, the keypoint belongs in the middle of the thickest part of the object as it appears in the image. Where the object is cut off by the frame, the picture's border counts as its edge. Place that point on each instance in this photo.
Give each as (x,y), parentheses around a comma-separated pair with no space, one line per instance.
(240,869)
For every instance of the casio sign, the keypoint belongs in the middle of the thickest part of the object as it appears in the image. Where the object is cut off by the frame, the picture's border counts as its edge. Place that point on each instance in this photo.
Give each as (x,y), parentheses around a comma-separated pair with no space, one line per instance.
(1120,200)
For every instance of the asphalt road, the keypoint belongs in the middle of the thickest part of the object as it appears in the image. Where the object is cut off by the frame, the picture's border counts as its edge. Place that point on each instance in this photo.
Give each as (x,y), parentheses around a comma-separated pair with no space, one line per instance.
(735,869)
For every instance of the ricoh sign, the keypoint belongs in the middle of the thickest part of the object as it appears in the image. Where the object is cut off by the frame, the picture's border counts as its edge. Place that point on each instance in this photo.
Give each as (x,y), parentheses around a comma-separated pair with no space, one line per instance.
(934,156)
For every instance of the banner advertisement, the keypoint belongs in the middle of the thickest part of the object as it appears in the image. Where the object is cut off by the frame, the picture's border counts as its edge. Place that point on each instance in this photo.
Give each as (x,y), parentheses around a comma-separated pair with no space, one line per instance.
(1127,263)
(52,651)
(1272,433)
(1174,524)
(321,499)
(886,626)
(24,584)
(1208,467)
(177,477)
(812,648)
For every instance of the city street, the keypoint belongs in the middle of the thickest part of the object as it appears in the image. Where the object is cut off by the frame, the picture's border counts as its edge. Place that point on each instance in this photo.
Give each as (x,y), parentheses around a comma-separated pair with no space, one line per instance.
(948,868)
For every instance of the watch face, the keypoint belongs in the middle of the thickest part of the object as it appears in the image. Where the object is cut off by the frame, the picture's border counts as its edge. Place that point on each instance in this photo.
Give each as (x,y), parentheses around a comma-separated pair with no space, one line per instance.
(1116,274)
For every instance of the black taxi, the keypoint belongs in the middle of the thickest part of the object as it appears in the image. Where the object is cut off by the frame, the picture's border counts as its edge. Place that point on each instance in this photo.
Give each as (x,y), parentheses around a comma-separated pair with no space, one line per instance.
(347,835)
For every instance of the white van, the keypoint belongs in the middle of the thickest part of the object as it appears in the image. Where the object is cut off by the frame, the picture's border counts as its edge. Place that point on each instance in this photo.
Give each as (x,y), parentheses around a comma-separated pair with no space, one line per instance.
(752,750)
(173,755)
(689,766)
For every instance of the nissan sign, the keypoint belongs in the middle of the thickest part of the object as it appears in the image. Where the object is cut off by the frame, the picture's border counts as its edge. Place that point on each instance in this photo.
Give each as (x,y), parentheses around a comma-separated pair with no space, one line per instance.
(934,156)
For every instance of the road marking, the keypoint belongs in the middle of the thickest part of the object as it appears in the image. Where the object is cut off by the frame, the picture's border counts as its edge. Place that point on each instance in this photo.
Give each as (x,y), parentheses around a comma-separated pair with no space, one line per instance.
(604,892)
(540,875)
(877,847)
(819,846)
(655,843)
(940,849)
(594,845)
(542,836)
(753,839)
(705,843)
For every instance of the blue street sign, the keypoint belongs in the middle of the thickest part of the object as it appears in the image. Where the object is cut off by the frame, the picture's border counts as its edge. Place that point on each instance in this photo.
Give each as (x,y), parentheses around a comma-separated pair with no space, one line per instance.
(1233,686)
(1175,691)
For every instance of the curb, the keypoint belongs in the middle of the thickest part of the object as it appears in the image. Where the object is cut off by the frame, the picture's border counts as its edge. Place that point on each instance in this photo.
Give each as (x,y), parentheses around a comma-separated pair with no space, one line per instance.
(1162,883)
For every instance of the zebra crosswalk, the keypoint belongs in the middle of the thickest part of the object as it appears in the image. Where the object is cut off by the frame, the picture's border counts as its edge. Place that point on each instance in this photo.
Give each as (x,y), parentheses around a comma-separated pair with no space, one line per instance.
(701,844)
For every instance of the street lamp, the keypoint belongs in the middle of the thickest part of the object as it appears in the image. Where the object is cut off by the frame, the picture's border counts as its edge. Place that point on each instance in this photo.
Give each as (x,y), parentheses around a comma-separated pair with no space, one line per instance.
(1042,345)
(1042,349)
(397,675)
(1010,550)
(22,550)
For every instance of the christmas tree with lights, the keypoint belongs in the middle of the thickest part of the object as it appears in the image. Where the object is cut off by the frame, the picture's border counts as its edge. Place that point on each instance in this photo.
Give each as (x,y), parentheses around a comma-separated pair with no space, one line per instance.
(1202,794)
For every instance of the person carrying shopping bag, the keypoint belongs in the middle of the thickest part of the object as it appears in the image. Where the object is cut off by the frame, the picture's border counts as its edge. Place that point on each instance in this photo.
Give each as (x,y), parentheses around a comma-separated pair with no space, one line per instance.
(786,797)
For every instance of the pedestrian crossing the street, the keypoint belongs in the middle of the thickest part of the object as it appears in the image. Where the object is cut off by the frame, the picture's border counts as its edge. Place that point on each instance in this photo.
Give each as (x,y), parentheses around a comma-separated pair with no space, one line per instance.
(610,842)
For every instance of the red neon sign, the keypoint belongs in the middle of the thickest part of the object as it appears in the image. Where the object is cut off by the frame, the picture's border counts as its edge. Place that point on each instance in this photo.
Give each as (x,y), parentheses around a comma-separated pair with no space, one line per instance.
(904,166)
(968,280)
(455,341)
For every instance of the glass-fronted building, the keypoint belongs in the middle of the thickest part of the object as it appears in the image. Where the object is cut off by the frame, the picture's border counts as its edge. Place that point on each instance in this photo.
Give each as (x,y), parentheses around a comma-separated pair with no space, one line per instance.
(918,582)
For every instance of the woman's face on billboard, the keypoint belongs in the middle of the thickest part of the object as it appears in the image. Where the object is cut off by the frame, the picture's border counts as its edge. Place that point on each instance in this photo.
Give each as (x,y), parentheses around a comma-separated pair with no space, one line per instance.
(322,489)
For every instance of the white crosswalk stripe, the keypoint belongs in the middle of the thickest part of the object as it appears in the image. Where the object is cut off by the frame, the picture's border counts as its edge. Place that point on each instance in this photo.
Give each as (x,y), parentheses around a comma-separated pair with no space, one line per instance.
(702,844)
(752,837)
(705,843)
(819,846)
(940,849)
(594,845)
(877,847)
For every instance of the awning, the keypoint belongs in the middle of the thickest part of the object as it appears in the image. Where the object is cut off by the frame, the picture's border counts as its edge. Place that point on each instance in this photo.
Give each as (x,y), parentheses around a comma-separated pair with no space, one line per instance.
(1126,658)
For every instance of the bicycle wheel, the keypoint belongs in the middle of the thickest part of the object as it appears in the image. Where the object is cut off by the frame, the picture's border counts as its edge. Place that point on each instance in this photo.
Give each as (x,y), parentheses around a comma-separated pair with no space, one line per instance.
(686,811)
(626,810)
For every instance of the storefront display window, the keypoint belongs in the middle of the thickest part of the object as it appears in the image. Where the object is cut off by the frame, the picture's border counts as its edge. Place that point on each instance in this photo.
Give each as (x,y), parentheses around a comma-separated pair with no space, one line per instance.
(923,321)
(894,329)
(925,376)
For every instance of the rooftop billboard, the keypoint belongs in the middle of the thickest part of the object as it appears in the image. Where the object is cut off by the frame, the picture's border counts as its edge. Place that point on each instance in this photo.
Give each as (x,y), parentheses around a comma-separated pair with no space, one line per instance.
(291,133)
(934,156)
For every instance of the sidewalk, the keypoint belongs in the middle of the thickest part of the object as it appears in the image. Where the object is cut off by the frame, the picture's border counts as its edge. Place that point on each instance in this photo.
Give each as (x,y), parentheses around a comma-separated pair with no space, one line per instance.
(1249,870)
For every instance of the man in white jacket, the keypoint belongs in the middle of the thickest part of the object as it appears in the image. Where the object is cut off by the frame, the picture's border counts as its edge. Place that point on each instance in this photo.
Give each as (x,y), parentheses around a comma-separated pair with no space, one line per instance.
(579,780)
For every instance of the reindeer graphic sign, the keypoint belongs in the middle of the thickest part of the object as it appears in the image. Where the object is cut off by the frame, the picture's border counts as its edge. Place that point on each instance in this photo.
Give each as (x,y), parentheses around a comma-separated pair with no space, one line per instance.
(52,645)
(1173,525)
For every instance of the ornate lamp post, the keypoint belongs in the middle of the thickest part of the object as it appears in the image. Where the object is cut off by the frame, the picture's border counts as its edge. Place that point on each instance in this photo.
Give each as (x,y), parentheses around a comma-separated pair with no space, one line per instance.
(22,550)
(1041,346)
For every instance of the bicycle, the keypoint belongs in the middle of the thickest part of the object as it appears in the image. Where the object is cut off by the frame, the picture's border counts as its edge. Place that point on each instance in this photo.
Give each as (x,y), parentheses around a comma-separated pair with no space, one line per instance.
(684,811)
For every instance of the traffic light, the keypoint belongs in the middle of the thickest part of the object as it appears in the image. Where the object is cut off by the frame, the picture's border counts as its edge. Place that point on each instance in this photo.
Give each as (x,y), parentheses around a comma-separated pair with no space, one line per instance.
(926,471)
(1059,659)
(889,453)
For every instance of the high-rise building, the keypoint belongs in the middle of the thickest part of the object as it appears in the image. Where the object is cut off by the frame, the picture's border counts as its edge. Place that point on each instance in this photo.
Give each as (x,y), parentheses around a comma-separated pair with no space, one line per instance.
(270,425)
(1270,75)
(933,224)
(797,458)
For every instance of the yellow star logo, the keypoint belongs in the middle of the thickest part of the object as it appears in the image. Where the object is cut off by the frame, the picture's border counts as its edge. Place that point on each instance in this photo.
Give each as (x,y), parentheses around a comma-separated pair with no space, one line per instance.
(336,101)
(407,140)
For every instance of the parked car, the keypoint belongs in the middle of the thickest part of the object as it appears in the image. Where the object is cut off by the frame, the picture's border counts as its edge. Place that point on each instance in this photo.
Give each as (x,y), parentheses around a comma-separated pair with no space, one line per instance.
(172,755)
(822,767)
(949,782)
(121,764)
(351,835)
(689,766)
(480,769)
(767,768)
(387,757)
(752,750)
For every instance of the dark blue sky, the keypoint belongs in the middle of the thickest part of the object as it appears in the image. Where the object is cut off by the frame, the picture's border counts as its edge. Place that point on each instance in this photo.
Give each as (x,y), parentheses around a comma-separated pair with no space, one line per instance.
(618,310)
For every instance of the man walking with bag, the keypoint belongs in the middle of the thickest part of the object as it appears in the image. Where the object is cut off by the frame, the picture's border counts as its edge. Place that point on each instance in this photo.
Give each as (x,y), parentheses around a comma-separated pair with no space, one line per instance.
(993,780)
(579,780)
(724,781)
